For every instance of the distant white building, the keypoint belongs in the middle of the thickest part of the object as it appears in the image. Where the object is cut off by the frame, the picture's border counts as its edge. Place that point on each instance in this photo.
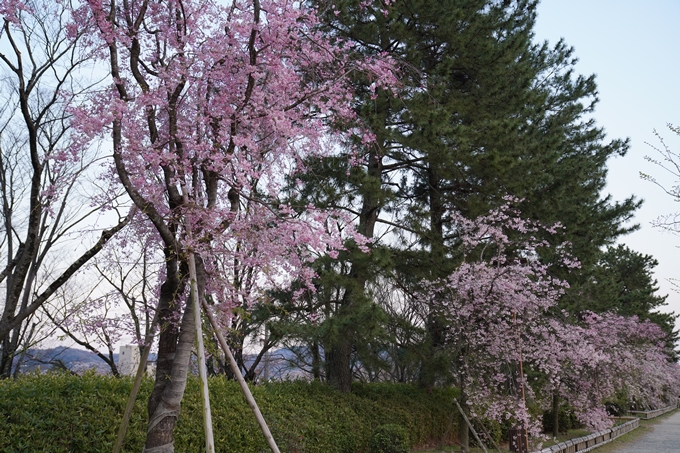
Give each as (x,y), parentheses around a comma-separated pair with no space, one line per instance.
(151,369)
(128,360)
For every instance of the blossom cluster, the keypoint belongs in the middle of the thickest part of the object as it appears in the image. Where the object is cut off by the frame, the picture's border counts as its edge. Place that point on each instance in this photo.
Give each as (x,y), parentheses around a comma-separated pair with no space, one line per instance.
(512,345)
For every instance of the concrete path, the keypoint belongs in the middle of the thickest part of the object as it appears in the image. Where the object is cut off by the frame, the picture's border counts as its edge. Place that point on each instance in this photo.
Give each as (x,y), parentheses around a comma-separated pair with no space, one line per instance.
(664,438)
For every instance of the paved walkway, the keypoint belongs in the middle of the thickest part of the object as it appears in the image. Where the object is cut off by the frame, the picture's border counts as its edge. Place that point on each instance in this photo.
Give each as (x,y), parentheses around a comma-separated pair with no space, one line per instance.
(664,438)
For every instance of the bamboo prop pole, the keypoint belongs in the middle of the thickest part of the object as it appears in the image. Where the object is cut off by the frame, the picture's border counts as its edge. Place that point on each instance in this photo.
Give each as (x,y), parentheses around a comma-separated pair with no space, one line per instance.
(474,433)
(244,387)
(202,368)
(148,340)
(488,436)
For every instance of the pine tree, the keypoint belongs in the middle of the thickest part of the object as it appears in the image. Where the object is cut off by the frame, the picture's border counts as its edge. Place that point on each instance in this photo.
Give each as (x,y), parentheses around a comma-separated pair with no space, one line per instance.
(483,113)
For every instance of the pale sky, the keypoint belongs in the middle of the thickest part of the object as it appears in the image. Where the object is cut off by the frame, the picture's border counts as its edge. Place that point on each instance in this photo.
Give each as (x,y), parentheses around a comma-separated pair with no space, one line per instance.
(632,47)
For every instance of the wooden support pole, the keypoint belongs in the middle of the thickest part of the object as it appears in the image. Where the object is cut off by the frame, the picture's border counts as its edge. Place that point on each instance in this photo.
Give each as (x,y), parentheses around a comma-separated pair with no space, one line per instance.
(474,433)
(202,368)
(242,382)
(488,435)
(148,340)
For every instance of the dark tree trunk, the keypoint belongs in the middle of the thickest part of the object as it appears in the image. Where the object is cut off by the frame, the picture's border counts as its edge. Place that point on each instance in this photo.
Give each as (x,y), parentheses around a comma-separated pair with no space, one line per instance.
(174,356)
(161,433)
(316,361)
(339,353)
(339,366)
(433,363)
(556,414)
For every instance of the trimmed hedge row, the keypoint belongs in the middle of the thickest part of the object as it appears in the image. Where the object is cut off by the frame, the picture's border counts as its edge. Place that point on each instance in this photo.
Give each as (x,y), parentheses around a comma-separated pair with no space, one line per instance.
(62,413)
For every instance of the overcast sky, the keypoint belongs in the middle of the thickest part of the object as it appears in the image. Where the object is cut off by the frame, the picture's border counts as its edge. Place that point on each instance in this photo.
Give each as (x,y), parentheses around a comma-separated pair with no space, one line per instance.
(633,48)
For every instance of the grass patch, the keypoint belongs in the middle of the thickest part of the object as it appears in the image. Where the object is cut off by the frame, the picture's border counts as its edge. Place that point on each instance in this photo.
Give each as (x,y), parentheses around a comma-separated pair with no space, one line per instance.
(456,449)
(570,434)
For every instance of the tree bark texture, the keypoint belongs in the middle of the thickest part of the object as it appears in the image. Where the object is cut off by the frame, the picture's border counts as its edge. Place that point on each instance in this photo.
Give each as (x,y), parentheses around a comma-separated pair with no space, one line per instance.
(174,353)
(556,415)
(339,352)
(433,364)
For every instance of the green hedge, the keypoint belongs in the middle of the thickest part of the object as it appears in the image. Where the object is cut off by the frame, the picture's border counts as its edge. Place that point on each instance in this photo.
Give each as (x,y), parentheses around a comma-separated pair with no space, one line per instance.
(390,438)
(61,413)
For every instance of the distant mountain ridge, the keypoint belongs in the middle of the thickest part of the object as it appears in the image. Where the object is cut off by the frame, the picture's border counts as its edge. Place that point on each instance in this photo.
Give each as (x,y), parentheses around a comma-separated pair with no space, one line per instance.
(60,357)
(80,360)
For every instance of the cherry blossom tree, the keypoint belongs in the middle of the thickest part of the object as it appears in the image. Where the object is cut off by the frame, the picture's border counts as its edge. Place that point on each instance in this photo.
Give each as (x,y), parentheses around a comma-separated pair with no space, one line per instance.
(489,302)
(210,105)
(500,307)
(588,361)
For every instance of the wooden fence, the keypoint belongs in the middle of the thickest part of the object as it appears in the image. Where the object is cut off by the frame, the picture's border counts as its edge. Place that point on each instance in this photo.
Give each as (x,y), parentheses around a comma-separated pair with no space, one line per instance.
(592,441)
(646,415)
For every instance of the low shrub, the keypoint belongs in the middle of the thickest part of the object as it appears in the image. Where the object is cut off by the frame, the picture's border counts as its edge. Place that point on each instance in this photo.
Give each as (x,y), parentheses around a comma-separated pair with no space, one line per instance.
(491,431)
(619,404)
(566,420)
(63,413)
(390,438)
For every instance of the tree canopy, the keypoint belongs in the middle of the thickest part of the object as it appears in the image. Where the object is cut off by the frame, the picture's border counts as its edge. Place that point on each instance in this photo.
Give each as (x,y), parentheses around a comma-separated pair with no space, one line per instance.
(396,190)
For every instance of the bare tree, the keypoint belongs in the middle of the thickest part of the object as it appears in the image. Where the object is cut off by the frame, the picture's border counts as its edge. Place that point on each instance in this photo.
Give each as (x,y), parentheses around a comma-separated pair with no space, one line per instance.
(116,304)
(43,167)
(402,351)
(669,161)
